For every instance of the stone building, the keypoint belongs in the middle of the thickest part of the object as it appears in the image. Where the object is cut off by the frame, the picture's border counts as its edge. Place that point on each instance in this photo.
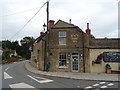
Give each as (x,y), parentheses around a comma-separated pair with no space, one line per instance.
(66,47)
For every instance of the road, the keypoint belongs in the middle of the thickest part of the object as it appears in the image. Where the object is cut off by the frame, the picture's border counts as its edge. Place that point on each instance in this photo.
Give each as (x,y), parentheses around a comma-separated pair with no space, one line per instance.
(16,76)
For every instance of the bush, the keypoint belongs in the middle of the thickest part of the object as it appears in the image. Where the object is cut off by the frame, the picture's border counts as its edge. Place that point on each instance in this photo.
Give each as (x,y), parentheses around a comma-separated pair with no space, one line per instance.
(108,66)
(11,60)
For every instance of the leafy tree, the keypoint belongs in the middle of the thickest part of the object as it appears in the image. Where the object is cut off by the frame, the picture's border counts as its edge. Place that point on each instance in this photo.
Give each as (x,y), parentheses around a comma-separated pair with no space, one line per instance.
(26,42)
(14,45)
(6,44)
(22,50)
(6,54)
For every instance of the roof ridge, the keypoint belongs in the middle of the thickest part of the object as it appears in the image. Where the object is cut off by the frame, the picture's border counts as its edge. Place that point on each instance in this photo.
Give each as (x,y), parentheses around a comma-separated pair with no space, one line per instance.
(66,22)
(63,22)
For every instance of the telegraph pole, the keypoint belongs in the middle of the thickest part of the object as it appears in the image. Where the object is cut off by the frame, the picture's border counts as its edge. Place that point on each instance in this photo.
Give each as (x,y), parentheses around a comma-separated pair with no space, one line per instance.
(47,38)
(47,14)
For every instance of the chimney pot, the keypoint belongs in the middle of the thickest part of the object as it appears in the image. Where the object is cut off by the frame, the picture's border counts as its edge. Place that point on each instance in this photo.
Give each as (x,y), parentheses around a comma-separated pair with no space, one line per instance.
(50,23)
(41,33)
(70,21)
(87,25)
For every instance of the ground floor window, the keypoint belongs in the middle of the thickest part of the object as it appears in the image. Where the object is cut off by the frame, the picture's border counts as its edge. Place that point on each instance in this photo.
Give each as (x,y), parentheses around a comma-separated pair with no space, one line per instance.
(62,59)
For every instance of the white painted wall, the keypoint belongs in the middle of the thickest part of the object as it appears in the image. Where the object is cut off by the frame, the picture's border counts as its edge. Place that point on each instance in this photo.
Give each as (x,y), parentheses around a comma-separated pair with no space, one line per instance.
(100,68)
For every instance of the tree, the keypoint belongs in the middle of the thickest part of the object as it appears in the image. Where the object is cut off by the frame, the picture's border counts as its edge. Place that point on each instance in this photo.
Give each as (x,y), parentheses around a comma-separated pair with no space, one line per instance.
(6,54)
(6,44)
(14,45)
(26,42)
(22,50)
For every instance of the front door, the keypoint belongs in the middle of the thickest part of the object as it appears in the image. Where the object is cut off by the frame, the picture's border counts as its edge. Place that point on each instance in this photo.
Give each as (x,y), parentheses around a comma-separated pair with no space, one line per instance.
(75,62)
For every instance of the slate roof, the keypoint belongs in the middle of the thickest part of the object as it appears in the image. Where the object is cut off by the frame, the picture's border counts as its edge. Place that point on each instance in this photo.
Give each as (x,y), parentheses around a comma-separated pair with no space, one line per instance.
(105,43)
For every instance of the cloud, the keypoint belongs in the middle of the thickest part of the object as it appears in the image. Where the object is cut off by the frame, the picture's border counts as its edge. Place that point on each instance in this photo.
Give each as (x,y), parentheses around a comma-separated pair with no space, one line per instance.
(113,33)
(101,14)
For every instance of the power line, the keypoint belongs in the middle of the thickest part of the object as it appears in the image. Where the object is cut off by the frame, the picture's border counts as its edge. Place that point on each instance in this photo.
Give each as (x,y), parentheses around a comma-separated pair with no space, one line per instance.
(28,21)
(19,12)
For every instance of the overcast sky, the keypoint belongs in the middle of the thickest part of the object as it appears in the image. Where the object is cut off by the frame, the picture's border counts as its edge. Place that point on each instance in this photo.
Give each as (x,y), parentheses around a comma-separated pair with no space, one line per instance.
(101,14)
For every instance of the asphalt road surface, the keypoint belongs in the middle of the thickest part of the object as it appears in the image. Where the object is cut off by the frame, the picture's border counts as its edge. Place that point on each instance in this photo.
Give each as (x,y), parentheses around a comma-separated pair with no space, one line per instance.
(16,76)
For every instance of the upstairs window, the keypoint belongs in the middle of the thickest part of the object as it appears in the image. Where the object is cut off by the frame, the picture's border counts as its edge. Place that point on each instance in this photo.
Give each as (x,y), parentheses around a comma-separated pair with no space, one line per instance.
(62,38)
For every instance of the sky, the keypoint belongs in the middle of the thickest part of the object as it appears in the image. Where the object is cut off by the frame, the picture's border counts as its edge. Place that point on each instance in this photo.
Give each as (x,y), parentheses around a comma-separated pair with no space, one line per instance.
(102,15)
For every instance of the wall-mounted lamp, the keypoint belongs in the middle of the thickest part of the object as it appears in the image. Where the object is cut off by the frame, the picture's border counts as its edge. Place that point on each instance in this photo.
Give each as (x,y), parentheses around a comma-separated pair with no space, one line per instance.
(44,27)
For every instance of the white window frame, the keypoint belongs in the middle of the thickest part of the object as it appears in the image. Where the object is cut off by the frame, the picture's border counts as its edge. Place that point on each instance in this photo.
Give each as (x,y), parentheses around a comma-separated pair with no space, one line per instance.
(62,58)
(62,35)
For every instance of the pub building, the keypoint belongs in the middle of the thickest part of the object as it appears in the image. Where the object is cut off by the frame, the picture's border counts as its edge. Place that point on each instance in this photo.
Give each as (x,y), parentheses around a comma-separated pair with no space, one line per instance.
(65,47)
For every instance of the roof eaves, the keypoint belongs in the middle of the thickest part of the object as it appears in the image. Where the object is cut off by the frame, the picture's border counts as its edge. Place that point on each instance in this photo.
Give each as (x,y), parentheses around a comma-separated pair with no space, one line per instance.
(101,47)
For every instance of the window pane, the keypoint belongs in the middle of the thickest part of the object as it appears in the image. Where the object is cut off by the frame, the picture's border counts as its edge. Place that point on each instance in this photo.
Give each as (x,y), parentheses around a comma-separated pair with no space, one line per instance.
(62,62)
(62,40)
(62,59)
(62,34)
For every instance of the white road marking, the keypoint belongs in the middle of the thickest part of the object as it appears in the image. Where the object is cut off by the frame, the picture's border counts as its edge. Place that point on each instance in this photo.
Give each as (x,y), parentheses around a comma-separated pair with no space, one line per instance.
(39,77)
(21,85)
(102,82)
(88,87)
(96,85)
(46,81)
(103,87)
(6,69)
(7,76)
(41,81)
(110,84)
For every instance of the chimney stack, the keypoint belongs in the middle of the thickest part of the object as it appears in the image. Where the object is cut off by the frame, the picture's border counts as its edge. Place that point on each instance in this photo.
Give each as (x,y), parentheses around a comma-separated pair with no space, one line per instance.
(50,23)
(41,33)
(88,31)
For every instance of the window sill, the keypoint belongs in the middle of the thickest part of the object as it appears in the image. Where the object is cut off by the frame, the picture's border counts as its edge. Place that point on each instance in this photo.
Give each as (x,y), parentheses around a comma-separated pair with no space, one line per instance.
(62,67)
(62,44)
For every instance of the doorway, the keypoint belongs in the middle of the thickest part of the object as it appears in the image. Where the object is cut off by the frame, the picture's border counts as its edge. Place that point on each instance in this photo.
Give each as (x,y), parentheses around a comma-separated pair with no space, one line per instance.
(75,62)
